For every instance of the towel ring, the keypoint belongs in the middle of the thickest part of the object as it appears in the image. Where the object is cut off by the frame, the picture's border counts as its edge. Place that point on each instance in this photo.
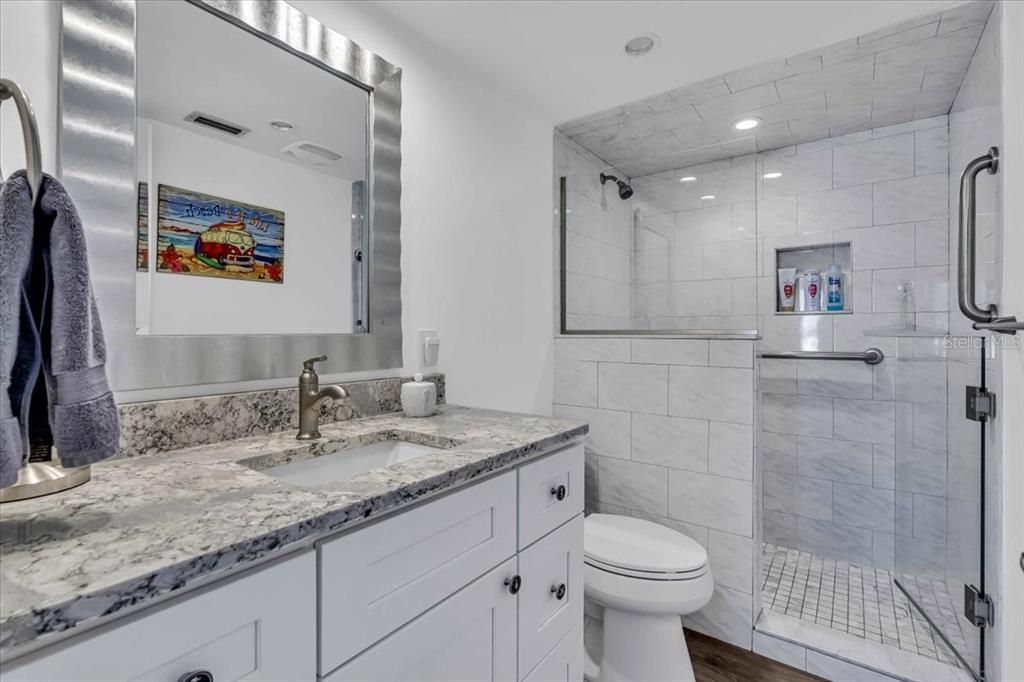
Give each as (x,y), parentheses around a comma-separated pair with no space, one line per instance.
(30,133)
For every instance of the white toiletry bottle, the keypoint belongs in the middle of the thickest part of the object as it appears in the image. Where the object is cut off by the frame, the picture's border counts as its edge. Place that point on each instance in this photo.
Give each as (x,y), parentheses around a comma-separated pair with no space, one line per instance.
(419,397)
(834,288)
(812,281)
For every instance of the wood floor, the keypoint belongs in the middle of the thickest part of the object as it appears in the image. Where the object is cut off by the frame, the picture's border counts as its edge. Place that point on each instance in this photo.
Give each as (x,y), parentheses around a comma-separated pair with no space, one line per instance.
(716,661)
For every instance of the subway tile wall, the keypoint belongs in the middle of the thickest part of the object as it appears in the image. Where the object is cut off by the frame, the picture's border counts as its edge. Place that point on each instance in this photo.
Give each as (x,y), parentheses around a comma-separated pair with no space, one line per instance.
(672,434)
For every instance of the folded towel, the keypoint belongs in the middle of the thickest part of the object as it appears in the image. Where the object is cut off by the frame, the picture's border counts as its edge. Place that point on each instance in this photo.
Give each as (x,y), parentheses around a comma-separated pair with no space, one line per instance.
(58,329)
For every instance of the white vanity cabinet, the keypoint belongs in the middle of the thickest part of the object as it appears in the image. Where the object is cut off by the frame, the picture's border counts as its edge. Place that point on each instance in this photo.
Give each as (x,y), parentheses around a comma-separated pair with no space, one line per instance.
(484,583)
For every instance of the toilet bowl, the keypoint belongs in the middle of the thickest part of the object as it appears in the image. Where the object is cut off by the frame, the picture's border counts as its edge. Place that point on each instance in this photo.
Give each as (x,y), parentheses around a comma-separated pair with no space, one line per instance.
(644,577)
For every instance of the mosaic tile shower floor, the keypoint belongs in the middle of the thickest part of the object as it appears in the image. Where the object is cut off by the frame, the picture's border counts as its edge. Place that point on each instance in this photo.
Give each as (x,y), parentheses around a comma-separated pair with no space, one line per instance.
(861,601)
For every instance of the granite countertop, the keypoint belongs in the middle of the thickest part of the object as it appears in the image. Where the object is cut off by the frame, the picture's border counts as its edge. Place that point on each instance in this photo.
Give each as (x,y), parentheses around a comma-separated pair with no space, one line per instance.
(148,526)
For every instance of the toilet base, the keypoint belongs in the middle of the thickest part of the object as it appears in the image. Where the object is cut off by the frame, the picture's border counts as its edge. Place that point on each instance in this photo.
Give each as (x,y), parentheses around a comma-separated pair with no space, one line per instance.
(639,646)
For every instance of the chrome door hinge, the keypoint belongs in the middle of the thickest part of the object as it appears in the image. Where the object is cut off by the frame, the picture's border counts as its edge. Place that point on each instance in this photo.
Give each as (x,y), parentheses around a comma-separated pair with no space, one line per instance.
(981,404)
(978,608)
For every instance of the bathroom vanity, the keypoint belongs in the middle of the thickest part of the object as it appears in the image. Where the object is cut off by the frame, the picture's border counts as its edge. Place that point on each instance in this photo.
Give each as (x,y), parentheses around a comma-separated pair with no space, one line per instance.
(264,559)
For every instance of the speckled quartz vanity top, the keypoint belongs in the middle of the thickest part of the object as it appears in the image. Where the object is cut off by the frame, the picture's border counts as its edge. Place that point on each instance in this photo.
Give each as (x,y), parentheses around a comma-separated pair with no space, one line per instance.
(148,526)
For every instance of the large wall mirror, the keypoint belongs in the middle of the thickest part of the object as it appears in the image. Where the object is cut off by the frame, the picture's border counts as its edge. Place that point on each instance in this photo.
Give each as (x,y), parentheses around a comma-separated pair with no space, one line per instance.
(237,168)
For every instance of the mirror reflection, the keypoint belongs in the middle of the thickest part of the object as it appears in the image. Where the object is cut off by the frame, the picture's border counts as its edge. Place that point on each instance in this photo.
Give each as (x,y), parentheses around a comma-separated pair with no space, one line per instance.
(251,169)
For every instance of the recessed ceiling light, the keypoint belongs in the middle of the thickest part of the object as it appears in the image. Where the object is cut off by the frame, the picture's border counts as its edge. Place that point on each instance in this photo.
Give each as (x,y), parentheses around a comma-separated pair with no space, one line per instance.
(746,123)
(281,125)
(688,178)
(641,45)
(772,175)
(707,197)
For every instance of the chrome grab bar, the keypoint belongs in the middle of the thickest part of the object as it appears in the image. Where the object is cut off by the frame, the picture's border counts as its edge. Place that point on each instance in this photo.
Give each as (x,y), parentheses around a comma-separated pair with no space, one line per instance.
(871,356)
(966,261)
(30,133)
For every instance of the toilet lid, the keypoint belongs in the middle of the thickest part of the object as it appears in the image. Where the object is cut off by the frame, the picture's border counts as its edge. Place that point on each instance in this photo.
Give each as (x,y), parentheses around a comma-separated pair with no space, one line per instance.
(628,543)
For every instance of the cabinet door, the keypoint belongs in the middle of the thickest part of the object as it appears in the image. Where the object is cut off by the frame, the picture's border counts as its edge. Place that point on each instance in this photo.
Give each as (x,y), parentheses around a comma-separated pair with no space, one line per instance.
(261,626)
(471,637)
(564,663)
(375,580)
(551,597)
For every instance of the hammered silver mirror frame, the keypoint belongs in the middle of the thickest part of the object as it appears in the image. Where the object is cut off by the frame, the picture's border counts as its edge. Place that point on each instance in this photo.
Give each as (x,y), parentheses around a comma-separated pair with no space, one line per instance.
(96,163)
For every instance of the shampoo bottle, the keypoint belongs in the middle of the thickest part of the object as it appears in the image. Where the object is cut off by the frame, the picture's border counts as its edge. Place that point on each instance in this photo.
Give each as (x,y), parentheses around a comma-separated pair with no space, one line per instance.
(834,288)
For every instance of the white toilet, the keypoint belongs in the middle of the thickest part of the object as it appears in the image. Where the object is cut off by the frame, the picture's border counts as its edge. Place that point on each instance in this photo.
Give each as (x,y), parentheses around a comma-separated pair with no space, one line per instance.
(644,576)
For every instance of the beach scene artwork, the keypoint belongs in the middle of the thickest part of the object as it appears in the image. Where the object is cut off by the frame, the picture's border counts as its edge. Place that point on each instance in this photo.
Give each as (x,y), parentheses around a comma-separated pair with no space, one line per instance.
(202,234)
(142,229)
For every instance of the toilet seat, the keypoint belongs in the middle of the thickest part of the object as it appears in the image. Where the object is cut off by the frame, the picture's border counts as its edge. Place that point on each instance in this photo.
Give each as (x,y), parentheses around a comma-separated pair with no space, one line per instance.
(641,549)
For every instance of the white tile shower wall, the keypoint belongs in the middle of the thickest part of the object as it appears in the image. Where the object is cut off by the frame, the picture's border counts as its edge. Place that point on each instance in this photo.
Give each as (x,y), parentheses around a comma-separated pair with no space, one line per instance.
(672,427)
(695,255)
(855,456)
(598,237)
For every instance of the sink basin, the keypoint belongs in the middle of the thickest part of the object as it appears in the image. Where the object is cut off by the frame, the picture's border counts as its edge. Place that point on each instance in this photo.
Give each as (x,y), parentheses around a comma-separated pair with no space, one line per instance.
(327,469)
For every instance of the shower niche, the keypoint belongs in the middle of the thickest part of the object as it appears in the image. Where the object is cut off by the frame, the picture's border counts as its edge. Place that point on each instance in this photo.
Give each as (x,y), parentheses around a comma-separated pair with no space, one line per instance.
(802,278)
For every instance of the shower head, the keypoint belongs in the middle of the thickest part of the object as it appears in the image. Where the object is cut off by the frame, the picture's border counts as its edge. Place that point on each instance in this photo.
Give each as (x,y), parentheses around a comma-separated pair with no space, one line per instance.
(625,191)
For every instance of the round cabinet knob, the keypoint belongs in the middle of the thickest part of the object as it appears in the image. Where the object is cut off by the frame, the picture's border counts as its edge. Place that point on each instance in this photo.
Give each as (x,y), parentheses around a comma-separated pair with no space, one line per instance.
(558,591)
(559,492)
(513,584)
(197,676)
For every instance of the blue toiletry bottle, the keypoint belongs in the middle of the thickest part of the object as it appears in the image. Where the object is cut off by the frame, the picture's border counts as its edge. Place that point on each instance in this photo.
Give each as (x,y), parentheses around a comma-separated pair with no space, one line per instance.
(834,288)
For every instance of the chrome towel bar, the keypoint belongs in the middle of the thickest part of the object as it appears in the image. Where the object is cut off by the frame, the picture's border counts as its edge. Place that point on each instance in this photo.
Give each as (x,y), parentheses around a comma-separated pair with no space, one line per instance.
(871,356)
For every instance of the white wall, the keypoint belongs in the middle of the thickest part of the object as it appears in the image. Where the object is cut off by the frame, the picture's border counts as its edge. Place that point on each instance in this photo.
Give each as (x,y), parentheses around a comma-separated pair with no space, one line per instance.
(476,169)
(316,294)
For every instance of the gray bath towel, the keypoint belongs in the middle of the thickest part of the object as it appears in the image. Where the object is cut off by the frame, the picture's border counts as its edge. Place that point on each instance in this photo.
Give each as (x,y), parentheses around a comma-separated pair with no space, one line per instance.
(19,342)
(61,311)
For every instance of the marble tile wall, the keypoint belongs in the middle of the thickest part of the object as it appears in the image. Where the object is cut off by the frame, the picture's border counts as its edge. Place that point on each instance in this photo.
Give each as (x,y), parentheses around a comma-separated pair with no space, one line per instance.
(672,429)
(598,238)
(855,456)
(161,425)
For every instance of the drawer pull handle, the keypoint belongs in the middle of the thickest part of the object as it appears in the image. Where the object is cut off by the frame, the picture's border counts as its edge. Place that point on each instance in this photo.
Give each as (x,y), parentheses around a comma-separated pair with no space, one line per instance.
(513,584)
(197,676)
(558,591)
(558,492)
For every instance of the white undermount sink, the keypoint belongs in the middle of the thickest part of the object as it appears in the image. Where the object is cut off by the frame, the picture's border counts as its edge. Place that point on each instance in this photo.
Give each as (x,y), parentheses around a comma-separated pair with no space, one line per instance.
(327,469)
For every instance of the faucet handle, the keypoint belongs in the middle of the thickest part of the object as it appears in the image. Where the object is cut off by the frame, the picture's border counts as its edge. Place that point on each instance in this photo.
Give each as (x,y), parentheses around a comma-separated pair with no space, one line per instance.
(307,365)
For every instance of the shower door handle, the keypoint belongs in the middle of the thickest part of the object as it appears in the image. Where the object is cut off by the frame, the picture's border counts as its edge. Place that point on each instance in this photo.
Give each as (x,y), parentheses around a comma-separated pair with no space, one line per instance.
(966,261)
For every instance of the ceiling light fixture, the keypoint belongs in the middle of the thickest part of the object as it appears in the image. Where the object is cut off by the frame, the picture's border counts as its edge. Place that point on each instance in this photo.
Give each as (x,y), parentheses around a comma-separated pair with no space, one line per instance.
(283,126)
(772,175)
(688,178)
(707,197)
(746,123)
(641,45)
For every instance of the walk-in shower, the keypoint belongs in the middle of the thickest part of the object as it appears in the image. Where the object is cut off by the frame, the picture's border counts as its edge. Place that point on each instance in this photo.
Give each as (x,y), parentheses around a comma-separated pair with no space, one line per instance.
(818,448)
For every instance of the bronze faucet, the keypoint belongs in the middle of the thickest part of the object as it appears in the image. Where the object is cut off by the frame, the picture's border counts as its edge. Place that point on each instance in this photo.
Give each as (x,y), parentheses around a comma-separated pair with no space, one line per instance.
(311,397)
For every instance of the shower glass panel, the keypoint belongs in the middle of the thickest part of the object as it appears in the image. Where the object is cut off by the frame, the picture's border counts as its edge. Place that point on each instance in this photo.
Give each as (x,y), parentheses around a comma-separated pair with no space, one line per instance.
(939,499)
(674,252)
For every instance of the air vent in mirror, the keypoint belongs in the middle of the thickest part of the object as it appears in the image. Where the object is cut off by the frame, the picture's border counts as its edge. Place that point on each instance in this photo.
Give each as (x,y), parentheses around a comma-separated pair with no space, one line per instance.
(220,124)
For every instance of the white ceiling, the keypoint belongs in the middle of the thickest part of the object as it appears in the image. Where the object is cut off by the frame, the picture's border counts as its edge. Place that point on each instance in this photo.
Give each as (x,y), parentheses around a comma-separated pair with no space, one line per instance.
(902,72)
(191,60)
(565,57)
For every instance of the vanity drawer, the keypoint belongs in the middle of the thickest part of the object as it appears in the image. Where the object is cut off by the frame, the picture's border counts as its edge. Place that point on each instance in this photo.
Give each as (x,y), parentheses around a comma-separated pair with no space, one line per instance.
(375,580)
(550,493)
(261,626)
